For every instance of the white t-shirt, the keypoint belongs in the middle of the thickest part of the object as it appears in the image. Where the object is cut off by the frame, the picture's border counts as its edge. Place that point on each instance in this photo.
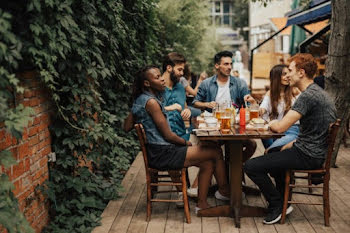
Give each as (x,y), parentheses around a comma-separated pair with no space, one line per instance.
(223,94)
(266,104)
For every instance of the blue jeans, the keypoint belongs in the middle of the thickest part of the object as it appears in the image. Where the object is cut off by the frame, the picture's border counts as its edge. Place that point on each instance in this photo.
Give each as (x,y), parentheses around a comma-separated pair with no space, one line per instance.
(290,135)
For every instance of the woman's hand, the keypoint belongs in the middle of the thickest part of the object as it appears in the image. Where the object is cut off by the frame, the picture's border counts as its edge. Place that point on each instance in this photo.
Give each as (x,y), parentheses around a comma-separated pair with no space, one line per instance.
(262,111)
(188,143)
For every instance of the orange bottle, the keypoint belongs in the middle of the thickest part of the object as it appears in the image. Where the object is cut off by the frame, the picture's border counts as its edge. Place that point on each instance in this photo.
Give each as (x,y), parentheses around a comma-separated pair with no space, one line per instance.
(242,116)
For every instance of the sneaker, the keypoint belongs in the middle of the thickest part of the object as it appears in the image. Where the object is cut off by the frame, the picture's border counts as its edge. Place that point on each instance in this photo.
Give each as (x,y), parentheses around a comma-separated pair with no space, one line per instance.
(289,209)
(219,196)
(179,204)
(196,209)
(192,192)
(273,216)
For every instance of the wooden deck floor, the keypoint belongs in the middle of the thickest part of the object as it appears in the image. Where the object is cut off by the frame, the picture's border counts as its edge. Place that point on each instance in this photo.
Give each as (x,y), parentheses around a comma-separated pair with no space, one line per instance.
(128,213)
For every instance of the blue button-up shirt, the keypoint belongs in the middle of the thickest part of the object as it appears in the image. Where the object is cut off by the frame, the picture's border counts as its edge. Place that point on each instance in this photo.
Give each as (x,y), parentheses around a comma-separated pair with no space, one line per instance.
(208,90)
(171,96)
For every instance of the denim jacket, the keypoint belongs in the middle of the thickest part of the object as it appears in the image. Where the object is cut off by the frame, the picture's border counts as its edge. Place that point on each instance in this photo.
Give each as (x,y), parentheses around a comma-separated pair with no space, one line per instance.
(141,116)
(208,90)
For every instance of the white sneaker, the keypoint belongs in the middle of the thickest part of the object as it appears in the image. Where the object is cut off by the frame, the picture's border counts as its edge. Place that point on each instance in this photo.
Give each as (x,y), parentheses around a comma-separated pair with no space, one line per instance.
(219,196)
(180,196)
(196,209)
(192,192)
(289,210)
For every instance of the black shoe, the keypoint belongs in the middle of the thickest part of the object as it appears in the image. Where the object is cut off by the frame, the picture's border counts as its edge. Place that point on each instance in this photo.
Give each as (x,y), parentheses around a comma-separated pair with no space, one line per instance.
(273,216)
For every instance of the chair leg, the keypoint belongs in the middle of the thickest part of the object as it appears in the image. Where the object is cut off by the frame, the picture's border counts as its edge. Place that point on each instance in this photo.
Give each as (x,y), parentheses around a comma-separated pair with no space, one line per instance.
(326,206)
(149,196)
(185,197)
(309,182)
(286,197)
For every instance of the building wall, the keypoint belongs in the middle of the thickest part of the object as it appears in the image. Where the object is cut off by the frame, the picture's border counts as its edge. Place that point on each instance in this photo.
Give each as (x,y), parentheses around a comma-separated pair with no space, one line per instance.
(259,23)
(31,153)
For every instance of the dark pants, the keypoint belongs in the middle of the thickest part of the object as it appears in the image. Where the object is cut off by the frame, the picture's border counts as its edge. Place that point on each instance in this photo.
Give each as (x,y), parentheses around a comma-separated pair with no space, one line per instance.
(276,165)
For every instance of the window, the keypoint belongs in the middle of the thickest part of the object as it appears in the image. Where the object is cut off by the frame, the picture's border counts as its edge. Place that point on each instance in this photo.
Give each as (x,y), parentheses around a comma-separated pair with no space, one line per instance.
(226,7)
(221,12)
(217,7)
(226,19)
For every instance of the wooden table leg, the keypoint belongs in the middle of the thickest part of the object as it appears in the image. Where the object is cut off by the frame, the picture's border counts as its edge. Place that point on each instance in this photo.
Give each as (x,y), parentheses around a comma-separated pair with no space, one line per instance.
(235,209)
(235,149)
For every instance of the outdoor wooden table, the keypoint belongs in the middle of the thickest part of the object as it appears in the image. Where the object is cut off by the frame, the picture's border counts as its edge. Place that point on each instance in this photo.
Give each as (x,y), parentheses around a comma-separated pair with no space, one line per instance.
(233,149)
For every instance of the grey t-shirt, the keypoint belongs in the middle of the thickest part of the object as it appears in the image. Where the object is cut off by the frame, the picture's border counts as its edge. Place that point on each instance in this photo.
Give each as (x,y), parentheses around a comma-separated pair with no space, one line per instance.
(318,111)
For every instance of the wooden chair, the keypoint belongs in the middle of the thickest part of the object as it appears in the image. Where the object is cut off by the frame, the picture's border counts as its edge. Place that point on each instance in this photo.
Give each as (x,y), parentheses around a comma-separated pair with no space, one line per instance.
(156,178)
(324,176)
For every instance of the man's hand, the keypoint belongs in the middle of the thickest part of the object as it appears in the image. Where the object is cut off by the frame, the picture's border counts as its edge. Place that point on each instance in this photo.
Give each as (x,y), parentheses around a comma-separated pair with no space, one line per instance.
(173,107)
(211,104)
(262,111)
(185,114)
(249,98)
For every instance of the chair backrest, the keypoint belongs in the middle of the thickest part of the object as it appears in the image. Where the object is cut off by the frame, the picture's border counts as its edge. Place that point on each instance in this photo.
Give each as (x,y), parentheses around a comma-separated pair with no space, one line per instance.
(332,134)
(143,141)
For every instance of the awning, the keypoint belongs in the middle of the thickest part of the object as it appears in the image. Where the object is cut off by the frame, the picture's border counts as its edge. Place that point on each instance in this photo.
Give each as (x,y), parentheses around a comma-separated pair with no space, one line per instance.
(318,10)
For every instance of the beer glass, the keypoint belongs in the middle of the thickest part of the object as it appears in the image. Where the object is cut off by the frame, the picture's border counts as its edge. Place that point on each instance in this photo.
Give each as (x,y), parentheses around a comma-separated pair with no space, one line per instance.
(254,111)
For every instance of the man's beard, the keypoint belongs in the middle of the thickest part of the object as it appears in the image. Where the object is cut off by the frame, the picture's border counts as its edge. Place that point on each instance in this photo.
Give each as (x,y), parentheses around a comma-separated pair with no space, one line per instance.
(173,78)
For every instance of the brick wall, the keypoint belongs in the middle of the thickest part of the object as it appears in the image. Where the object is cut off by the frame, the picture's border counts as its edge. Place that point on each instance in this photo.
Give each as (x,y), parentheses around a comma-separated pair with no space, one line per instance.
(31,152)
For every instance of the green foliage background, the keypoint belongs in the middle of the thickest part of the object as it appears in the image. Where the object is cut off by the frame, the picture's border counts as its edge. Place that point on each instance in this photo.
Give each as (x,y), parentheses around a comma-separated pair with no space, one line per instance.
(86,53)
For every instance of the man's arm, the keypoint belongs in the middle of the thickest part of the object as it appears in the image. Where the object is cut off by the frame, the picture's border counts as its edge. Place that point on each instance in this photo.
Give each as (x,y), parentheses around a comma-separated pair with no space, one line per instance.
(287,121)
(204,105)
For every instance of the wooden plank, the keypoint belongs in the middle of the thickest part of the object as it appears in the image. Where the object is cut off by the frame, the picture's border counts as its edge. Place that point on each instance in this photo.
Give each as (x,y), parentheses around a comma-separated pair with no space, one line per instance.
(138,223)
(129,206)
(210,224)
(112,209)
(159,214)
(176,218)
(196,222)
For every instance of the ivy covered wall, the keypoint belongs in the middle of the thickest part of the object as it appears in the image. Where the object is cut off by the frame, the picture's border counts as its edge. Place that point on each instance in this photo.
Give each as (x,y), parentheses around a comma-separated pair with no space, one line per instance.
(86,53)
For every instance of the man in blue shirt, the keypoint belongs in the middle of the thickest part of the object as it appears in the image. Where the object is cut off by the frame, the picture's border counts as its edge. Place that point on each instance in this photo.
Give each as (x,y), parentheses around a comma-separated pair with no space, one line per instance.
(174,98)
(222,88)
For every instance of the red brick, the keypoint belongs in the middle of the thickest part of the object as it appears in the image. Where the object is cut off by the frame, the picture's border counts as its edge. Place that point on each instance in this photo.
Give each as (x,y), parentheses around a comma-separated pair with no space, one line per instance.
(36,120)
(23,150)
(14,141)
(34,140)
(34,102)
(44,117)
(25,134)
(46,151)
(33,130)
(18,187)
(26,103)
(33,150)
(2,134)
(42,135)
(43,126)
(8,140)
(29,93)
(39,109)
(18,169)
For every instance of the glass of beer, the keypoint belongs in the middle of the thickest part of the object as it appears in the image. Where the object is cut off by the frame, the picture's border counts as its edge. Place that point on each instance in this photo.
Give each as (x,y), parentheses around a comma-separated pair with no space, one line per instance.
(254,111)
(225,122)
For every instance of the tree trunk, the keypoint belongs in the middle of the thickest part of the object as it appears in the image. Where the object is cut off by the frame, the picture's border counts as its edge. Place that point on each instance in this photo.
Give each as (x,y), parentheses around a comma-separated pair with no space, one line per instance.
(338,65)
